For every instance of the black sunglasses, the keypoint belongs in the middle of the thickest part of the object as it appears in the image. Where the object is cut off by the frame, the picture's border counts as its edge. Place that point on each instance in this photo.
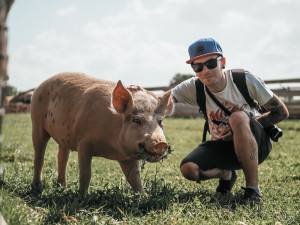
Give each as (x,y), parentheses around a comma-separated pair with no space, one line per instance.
(210,64)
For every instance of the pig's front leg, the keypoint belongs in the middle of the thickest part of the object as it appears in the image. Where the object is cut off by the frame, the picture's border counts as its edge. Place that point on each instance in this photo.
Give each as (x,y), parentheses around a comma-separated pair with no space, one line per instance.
(131,169)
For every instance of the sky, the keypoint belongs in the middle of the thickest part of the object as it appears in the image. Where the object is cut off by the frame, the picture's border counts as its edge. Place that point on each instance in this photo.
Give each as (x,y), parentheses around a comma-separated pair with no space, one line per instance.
(145,42)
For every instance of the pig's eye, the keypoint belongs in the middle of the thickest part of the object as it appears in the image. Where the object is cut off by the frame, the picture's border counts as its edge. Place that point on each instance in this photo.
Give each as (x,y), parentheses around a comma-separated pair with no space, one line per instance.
(160,123)
(137,121)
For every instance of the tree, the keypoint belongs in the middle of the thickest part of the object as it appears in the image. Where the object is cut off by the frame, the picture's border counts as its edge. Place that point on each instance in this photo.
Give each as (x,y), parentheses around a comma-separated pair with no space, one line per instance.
(178,78)
(10,90)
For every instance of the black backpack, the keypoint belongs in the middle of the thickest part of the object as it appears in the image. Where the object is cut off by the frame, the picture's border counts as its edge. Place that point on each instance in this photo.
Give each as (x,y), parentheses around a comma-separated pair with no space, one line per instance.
(239,79)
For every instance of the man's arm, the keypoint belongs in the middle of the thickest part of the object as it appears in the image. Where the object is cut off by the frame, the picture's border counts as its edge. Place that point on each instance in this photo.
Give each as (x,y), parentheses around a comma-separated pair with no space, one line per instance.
(277,112)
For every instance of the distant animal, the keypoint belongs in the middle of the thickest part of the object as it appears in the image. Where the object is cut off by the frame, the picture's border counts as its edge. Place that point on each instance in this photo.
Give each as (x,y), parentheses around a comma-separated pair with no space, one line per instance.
(97,118)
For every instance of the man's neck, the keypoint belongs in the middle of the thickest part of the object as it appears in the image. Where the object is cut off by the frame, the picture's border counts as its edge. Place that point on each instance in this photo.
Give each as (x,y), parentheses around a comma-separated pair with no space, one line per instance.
(220,85)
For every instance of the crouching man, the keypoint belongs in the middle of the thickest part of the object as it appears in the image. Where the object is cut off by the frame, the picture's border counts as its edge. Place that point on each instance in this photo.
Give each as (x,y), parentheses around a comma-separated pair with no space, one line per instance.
(238,141)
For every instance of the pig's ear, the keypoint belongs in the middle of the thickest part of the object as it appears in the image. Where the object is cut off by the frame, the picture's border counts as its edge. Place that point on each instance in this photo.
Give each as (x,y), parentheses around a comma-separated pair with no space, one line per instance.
(121,98)
(166,102)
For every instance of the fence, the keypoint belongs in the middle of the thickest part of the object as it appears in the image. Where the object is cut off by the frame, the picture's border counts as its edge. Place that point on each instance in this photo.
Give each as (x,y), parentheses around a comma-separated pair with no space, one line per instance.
(288,94)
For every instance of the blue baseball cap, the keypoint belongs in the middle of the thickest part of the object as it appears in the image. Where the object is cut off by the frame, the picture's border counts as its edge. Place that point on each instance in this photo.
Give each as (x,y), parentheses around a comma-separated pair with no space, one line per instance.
(204,47)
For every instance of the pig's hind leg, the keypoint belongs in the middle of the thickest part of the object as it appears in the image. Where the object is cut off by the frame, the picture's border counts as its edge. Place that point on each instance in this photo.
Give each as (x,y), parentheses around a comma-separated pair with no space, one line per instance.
(40,138)
(63,157)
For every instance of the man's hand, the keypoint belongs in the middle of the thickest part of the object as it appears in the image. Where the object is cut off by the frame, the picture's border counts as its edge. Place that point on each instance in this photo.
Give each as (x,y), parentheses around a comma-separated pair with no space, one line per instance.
(226,134)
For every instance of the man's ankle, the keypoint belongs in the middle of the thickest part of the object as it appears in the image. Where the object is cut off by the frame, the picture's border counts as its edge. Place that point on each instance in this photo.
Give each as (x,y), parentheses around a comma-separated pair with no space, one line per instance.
(228,176)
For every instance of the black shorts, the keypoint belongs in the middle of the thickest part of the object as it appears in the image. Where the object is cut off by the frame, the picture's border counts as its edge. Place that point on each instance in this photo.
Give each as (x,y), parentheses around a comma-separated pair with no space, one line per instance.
(220,154)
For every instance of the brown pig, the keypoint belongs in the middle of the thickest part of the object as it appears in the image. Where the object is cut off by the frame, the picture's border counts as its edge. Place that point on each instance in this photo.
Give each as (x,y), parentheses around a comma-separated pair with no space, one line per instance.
(97,118)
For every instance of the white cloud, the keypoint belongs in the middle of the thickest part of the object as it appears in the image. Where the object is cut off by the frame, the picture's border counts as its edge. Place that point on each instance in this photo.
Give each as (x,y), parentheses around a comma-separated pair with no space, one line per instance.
(109,32)
(71,10)
(48,53)
(135,50)
(145,43)
(235,19)
(280,1)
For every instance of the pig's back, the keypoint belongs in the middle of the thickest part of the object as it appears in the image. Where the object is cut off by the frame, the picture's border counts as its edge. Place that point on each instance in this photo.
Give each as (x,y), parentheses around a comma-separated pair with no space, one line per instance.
(68,102)
(72,88)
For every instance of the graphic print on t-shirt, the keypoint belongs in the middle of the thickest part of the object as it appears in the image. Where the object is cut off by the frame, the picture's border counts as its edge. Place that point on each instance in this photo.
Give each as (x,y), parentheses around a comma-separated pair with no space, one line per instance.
(220,120)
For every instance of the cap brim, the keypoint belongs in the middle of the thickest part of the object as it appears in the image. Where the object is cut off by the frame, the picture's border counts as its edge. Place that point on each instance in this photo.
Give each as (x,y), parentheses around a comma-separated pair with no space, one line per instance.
(201,56)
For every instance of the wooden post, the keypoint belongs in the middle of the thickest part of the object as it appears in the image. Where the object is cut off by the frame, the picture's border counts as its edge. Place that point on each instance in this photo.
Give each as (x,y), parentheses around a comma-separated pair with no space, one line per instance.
(4,9)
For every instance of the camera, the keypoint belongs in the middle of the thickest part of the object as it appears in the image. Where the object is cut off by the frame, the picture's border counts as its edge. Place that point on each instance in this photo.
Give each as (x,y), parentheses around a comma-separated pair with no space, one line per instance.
(274,132)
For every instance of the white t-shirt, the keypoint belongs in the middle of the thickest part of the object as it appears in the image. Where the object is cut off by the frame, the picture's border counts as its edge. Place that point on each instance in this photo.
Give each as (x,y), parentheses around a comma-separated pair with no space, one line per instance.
(230,97)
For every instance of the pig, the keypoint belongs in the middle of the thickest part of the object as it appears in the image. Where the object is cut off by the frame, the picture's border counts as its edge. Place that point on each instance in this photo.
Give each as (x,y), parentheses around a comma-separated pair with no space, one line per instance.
(97,118)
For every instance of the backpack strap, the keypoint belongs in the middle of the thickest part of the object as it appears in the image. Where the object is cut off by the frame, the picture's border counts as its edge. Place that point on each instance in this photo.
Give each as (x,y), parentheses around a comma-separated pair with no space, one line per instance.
(239,78)
(200,94)
(201,101)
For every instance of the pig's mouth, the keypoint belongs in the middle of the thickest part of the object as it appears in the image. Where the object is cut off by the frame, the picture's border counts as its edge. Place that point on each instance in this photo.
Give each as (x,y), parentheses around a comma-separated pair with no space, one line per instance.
(147,155)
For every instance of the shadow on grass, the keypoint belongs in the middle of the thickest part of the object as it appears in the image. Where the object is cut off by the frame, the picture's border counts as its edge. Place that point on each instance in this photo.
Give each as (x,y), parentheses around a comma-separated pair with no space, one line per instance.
(115,202)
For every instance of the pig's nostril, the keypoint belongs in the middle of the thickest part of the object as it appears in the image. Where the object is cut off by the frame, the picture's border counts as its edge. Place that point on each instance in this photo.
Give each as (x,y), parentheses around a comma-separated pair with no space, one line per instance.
(141,146)
(161,147)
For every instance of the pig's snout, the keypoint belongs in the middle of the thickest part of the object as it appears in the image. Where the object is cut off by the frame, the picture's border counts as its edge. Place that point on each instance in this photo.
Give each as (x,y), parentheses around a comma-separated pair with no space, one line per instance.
(160,147)
(154,153)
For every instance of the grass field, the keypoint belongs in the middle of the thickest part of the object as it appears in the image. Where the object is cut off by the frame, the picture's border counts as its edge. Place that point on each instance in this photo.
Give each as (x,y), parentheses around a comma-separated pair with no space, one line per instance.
(169,198)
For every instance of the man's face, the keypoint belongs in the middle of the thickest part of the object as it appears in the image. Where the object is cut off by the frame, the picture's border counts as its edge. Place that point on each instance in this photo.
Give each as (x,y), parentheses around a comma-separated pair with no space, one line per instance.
(210,77)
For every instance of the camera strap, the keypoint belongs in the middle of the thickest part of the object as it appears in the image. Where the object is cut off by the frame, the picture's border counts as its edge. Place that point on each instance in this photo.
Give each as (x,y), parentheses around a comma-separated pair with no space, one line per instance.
(270,132)
(227,112)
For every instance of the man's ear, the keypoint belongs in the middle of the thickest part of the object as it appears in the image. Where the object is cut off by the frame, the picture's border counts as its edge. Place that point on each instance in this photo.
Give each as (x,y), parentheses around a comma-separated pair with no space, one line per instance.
(223,62)
(121,98)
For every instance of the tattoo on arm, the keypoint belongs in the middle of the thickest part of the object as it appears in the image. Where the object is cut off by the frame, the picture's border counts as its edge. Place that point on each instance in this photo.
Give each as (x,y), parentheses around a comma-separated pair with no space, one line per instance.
(253,155)
(277,112)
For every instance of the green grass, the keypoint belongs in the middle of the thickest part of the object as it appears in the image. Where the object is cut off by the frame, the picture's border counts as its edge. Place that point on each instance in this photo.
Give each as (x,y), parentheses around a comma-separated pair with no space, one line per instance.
(169,198)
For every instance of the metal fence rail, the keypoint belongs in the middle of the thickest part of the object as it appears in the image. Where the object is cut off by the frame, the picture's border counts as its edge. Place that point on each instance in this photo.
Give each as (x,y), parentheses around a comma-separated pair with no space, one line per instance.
(289,96)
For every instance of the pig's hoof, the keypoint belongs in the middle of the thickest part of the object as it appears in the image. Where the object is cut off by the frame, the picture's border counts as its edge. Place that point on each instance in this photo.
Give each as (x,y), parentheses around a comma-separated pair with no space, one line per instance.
(83,191)
(37,187)
(61,183)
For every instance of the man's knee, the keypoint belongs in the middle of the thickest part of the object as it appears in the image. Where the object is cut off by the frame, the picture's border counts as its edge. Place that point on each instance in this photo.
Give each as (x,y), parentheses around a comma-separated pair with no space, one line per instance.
(190,171)
(239,120)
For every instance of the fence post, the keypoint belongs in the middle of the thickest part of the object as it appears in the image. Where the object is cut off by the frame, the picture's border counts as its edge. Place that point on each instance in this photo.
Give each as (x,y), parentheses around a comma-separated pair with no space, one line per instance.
(5,6)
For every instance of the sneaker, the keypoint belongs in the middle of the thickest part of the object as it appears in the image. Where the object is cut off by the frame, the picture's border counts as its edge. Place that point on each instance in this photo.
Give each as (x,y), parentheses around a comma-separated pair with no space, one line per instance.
(225,186)
(250,197)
